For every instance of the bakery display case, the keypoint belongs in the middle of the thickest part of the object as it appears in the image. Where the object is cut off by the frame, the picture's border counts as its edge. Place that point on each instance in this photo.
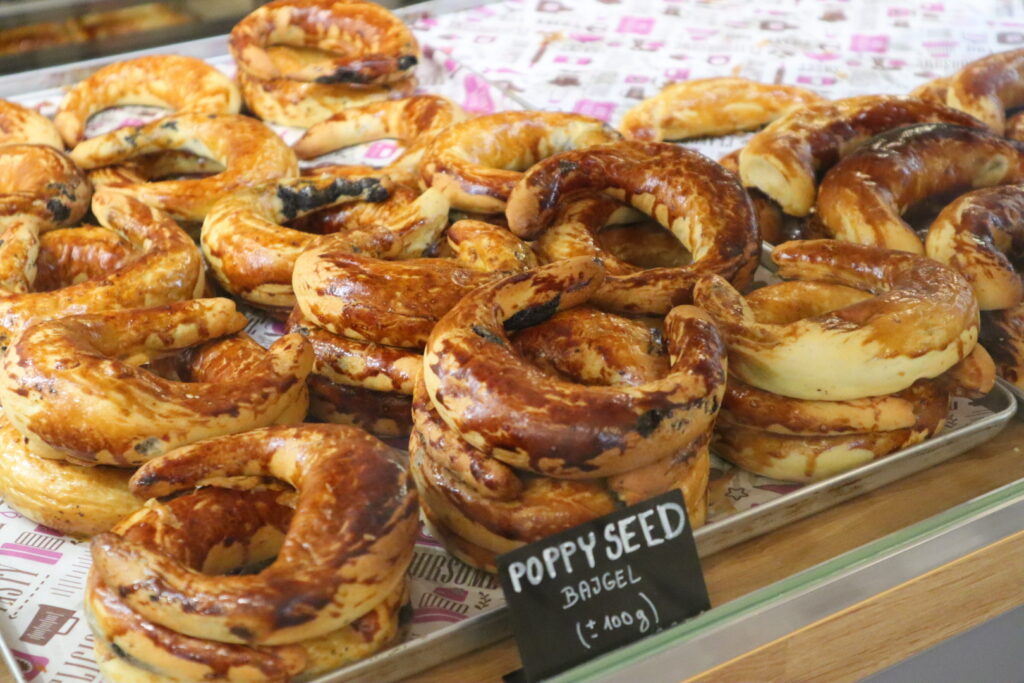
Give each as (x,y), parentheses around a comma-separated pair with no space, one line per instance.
(856,557)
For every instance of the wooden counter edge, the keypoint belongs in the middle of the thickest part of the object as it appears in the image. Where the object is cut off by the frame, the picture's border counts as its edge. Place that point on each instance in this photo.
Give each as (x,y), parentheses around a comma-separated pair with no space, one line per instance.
(893,625)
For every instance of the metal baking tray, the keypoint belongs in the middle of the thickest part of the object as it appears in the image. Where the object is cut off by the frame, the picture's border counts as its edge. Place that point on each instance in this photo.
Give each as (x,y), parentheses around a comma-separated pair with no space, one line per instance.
(413,656)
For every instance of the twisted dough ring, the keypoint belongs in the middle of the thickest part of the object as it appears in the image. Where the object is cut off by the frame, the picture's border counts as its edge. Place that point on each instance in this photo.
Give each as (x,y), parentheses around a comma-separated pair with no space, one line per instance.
(711,106)
(250,152)
(370,45)
(176,82)
(980,235)
(163,266)
(482,507)
(251,253)
(301,105)
(347,285)
(921,322)
(347,548)
(862,197)
(193,529)
(413,121)
(84,501)
(476,163)
(989,86)
(508,409)
(785,158)
(63,376)
(700,202)
(19,125)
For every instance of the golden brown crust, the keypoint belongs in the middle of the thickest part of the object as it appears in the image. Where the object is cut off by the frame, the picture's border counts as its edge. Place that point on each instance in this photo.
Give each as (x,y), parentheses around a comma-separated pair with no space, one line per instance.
(301,104)
(44,182)
(413,121)
(711,106)
(861,199)
(477,162)
(340,41)
(770,219)
(989,86)
(64,376)
(251,153)
(176,82)
(384,414)
(19,125)
(515,412)
(784,159)
(981,234)
(700,202)
(165,266)
(932,91)
(922,321)
(347,548)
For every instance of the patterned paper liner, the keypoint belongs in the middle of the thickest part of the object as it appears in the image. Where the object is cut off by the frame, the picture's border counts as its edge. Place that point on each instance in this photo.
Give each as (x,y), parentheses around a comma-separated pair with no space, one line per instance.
(597,57)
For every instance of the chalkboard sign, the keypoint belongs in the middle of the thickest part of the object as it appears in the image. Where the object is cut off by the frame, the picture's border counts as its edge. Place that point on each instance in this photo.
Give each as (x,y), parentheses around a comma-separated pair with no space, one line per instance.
(603,584)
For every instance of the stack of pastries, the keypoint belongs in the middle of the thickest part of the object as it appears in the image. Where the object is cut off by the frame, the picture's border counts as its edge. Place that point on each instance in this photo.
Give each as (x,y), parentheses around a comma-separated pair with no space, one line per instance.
(560,317)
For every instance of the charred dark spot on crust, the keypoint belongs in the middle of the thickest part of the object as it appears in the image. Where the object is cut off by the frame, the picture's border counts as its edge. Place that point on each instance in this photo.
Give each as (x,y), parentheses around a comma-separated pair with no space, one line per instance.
(484,333)
(649,422)
(118,652)
(148,446)
(169,125)
(147,480)
(298,610)
(132,138)
(241,633)
(58,209)
(533,315)
(407,62)
(309,197)
(567,167)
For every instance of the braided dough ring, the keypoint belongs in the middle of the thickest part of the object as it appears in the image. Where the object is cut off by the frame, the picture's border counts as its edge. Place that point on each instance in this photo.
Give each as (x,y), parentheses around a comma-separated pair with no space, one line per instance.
(347,548)
(20,125)
(476,163)
(477,382)
(413,121)
(63,376)
(700,202)
(862,198)
(784,159)
(42,181)
(165,266)
(989,86)
(370,45)
(249,250)
(175,82)
(301,105)
(921,322)
(980,235)
(214,531)
(711,106)
(250,152)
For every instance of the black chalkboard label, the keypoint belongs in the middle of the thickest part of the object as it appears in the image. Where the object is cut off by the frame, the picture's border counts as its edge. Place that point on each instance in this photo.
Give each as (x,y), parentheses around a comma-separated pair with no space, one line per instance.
(603,584)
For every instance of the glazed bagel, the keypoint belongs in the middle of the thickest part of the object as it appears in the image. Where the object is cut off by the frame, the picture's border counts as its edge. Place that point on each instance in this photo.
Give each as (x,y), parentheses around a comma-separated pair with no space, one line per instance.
(339,41)
(989,86)
(921,322)
(711,106)
(784,159)
(301,105)
(515,412)
(980,235)
(39,180)
(806,458)
(63,376)
(861,199)
(700,202)
(250,152)
(20,125)
(175,82)
(477,162)
(346,549)
(348,286)
(214,531)
(164,266)
(412,121)
(356,363)
(249,250)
